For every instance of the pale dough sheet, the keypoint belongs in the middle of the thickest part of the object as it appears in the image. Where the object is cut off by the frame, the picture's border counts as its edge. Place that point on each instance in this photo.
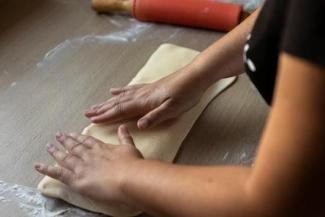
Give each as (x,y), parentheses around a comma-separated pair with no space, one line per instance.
(159,143)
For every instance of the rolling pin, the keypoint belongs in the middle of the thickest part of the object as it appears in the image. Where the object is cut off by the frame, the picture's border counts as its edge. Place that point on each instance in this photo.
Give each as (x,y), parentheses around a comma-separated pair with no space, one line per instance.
(196,13)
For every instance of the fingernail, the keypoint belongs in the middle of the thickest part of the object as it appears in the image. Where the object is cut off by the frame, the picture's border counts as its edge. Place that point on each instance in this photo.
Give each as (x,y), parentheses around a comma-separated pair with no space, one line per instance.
(73,134)
(49,146)
(58,134)
(143,123)
(38,166)
(124,128)
(60,137)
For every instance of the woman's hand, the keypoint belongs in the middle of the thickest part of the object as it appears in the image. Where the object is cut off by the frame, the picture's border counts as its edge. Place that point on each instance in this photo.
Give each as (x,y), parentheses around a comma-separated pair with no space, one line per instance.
(153,103)
(91,167)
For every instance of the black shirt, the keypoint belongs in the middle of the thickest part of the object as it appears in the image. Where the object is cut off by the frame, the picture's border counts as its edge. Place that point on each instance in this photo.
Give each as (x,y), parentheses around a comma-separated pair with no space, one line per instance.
(293,26)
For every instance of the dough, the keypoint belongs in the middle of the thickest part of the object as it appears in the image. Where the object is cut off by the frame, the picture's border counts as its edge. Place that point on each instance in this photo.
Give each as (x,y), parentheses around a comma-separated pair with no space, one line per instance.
(159,143)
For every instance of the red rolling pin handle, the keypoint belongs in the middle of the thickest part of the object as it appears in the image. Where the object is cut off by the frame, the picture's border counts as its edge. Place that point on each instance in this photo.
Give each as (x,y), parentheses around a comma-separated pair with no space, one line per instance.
(198,13)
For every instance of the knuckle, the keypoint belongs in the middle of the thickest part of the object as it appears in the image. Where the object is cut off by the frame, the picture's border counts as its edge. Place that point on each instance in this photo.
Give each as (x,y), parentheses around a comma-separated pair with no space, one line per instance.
(57,156)
(79,173)
(118,109)
(123,93)
(143,94)
(76,149)
(88,140)
(144,101)
(68,159)
(116,100)
(59,174)
(53,152)
(79,137)
(147,103)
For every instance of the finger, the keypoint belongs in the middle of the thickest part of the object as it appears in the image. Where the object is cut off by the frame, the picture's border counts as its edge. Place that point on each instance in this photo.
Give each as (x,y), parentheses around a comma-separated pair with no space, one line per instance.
(69,143)
(64,159)
(87,141)
(58,173)
(119,112)
(89,113)
(118,90)
(114,91)
(124,136)
(111,103)
(155,116)
(93,109)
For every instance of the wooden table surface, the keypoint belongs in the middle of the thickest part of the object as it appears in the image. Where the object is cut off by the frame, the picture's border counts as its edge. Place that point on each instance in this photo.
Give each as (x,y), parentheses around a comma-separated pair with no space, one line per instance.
(41,94)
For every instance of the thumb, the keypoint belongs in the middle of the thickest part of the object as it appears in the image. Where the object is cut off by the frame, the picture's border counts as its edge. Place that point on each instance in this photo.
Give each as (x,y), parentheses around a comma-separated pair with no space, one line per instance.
(155,116)
(124,136)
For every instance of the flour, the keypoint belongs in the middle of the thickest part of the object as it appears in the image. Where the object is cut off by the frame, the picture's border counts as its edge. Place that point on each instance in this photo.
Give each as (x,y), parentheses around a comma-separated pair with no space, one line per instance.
(5,72)
(225,156)
(130,34)
(245,158)
(13,84)
(34,204)
(248,5)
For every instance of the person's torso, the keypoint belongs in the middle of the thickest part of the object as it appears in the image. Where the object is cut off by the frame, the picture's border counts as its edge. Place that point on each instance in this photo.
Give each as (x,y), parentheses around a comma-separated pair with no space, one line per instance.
(263,47)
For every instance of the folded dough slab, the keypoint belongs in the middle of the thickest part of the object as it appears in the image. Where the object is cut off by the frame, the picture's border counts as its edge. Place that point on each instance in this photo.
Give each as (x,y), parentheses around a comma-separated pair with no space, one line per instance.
(159,143)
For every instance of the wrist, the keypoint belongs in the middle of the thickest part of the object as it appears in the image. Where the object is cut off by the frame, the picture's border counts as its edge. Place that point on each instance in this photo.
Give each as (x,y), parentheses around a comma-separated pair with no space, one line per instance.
(129,179)
(202,75)
(193,76)
(140,180)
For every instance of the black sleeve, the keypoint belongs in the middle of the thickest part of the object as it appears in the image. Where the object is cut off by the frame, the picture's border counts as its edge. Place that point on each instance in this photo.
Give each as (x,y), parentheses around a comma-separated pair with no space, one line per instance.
(304,34)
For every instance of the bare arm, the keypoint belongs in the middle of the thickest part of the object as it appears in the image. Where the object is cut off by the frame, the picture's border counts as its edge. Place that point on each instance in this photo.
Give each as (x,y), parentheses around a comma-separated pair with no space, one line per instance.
(224,58)
(171,96)
(289,172)
(291,147)
(288,176)
(287,179)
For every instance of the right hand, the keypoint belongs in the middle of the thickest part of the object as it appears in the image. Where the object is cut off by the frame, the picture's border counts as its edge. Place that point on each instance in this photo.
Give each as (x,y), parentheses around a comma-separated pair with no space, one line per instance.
(152,103)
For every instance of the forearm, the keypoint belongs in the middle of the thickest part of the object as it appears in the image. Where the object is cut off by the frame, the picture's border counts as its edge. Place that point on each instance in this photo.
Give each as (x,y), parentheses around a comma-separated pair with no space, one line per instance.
(224,58)
(171,190)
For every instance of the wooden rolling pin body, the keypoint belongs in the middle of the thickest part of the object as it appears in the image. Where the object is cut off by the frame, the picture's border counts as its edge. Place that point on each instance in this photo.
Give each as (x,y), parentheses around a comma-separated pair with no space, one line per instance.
(197,13)
(105,6)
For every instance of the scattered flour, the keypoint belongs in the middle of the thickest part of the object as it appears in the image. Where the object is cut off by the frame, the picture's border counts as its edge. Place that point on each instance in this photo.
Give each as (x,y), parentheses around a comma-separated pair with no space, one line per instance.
(5,72)
(243,156)
(13,84)
(129,34)
(34,204)
(249,5)
(225,156)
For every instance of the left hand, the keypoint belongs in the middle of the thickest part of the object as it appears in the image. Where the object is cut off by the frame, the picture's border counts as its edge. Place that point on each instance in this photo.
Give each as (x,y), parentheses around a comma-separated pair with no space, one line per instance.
(91,167)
